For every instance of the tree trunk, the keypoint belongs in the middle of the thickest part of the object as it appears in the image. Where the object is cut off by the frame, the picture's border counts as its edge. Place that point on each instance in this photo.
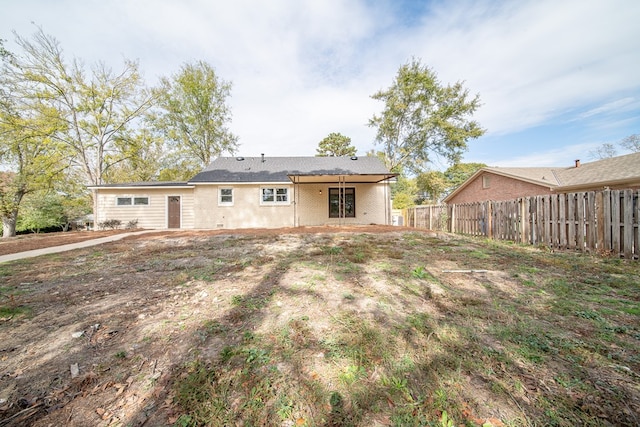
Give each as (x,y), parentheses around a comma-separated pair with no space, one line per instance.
(9,224)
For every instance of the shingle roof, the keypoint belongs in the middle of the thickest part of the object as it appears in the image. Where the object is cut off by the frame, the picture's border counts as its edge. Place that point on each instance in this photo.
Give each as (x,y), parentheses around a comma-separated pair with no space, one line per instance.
(600,172)
(278,169)
(620,170)
(541,176)
(143,184)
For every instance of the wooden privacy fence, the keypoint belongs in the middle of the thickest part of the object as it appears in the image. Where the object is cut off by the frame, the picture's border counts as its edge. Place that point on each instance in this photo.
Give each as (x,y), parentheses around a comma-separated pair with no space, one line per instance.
(605,221)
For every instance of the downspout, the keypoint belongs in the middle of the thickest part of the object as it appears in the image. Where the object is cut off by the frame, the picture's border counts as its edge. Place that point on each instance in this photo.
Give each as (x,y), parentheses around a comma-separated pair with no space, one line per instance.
(340,200)
(296,220)
(387,204)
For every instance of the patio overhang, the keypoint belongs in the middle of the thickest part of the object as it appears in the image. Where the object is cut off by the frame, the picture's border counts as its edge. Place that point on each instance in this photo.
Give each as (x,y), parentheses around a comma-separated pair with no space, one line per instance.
(340,178)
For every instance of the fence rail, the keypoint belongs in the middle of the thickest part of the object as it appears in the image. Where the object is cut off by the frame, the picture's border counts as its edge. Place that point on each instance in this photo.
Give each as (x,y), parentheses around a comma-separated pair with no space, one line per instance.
(605,221)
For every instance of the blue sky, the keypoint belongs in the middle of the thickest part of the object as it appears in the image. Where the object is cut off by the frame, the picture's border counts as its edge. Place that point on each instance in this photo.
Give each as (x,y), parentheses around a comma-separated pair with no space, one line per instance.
(557,78)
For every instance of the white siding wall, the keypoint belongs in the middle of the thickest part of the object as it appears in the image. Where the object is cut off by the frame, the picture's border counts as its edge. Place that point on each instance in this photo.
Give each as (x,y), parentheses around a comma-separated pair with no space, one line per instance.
(152,216)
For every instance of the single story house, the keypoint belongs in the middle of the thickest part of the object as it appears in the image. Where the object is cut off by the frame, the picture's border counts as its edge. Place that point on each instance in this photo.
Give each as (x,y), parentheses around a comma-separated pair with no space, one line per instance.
(250,192)
(496,183)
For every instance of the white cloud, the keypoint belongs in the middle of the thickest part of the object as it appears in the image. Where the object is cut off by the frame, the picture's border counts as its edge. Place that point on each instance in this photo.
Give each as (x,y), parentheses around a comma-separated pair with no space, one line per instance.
(624,104)
(551,158)
(533,60)
(302,69)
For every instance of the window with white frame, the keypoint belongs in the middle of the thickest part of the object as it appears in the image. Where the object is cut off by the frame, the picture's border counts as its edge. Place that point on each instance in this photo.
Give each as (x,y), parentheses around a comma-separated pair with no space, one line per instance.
(225,196)
(274,195)
(132,201)
(486,181)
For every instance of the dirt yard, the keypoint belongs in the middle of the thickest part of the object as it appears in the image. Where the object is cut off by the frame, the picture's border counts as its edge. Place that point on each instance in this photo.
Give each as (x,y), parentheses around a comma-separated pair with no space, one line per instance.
(28,242)
(314,326)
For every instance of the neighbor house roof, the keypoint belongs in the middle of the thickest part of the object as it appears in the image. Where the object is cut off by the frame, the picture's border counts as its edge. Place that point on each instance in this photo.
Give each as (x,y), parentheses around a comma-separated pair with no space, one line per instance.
(292,169)
(606,172)
(541,176)
(601,173)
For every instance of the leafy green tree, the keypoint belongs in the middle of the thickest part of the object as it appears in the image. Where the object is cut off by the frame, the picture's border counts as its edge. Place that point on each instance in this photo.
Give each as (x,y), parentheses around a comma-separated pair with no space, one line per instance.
(432,184)
(423,118)
(41,210)
(404,192)
(194,115)
(143,158)
(95,113)
(337,145)
(458,173)
(32,157)
(437,184)
(76,202)
(403,201)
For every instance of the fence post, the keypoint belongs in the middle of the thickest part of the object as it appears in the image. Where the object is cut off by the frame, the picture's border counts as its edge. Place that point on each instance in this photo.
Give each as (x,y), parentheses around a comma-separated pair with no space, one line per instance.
(490,219)
(627,239)
(600,225)
(453,219)
(524,220)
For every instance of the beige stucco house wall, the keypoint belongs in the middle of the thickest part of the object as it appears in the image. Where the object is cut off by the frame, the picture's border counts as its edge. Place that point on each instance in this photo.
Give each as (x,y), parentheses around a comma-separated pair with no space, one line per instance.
(371,200)
(308,205)
(246,210)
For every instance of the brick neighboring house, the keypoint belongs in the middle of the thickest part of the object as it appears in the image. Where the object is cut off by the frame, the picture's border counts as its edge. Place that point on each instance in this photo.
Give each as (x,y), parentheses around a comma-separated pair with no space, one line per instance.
(269,192)
(496,183)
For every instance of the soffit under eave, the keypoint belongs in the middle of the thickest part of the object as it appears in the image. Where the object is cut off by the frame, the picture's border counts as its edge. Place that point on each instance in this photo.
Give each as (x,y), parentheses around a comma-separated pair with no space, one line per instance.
(323,179)
(538,182)
(595,186)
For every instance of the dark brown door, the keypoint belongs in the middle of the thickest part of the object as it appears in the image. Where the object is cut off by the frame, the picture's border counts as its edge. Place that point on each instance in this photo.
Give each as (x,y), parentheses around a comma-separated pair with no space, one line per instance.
(174,211)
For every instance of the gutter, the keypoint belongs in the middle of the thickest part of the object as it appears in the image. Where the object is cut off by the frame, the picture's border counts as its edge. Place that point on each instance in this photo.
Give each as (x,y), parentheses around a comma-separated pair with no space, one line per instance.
(596,185)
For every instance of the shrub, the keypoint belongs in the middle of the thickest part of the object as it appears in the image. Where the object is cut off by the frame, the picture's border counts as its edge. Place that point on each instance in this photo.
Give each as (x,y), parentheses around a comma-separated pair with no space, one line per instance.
(133,224)
(110,224)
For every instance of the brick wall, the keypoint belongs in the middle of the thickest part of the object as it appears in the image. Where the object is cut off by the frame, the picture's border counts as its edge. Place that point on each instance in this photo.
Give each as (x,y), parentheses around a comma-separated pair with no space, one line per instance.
(490,186)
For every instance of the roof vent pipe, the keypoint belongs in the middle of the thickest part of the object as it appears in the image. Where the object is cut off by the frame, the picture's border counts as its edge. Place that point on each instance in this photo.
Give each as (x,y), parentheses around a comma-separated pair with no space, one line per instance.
(577,163)
(262,157)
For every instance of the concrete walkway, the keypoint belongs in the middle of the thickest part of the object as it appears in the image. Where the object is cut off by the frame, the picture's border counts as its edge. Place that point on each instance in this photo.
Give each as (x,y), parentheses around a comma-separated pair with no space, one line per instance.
(70,246)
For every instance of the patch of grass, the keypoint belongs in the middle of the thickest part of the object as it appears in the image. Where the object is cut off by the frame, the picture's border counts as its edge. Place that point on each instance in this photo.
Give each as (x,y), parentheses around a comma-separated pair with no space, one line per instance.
(420,273)
(331,250)
(362,343)
(346,269)
(8,312)
(421,322)
(352,373)
(250,303)
(5,271)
